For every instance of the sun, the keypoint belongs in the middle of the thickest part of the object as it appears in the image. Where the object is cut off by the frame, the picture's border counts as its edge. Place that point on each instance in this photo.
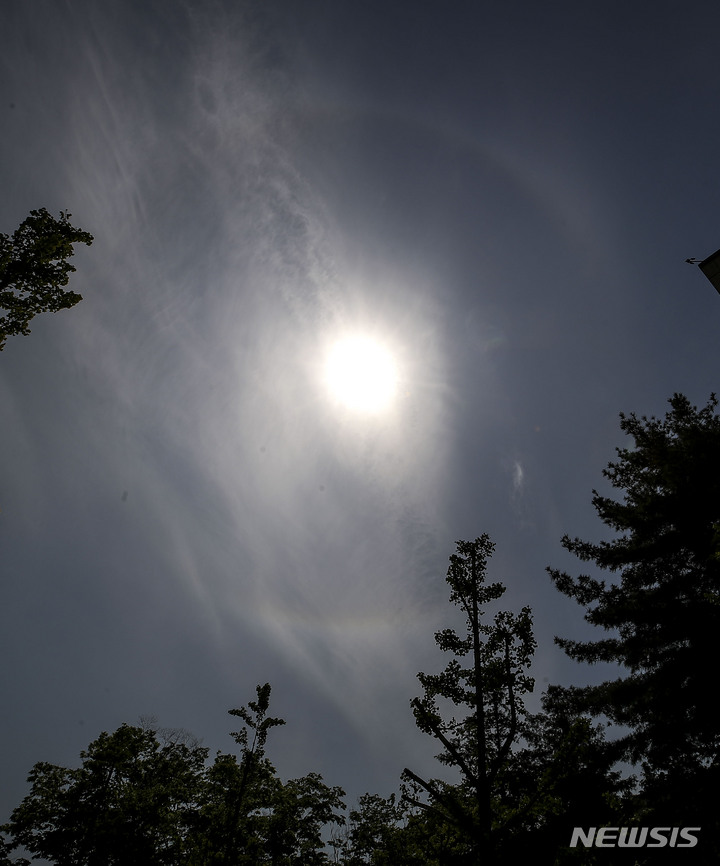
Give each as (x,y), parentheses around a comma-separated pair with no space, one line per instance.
(361,373)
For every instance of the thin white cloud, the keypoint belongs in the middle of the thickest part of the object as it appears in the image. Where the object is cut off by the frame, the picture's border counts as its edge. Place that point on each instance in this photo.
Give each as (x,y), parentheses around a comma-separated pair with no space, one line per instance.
(518,478)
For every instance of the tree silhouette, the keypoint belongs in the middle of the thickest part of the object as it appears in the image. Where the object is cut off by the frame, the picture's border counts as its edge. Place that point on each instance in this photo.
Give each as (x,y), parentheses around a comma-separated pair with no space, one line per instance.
(561,777)
(489,689)
(34,268)
(665,609)
(662,615)
(136,800)
(128,802)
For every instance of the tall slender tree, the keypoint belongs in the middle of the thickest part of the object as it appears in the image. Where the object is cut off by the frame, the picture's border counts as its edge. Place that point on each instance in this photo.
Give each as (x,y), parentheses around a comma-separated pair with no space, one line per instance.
(486,678)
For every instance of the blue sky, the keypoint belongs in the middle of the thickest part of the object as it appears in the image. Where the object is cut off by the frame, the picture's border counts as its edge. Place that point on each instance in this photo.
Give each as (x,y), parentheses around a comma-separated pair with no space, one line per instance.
(503,194)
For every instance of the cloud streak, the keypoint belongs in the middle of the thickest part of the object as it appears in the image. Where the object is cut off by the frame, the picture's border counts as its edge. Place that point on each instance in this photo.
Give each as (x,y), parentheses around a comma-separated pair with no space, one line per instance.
(220,279)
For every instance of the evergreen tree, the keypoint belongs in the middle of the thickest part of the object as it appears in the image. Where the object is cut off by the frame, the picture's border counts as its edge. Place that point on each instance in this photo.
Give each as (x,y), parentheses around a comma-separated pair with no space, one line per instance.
(663,614)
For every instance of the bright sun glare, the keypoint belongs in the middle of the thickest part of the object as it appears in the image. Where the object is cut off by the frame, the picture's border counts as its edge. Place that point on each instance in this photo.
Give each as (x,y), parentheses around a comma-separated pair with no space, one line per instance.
(362,374)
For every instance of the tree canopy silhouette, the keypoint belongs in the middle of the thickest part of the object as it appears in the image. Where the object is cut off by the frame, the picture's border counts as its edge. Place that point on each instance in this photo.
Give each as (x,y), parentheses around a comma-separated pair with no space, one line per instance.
(524,779)
(663,614)
(143,797)
(490,685)
(34,268)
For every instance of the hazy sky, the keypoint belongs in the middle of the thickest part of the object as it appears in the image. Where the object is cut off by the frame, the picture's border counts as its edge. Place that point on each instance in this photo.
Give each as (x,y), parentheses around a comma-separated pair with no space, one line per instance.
(503,195)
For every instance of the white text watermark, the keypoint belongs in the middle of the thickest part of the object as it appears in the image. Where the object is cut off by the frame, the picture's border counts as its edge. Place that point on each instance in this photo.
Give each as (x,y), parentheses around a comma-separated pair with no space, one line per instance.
(635,837)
